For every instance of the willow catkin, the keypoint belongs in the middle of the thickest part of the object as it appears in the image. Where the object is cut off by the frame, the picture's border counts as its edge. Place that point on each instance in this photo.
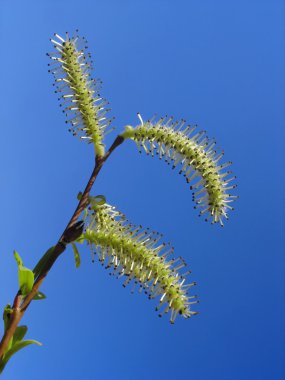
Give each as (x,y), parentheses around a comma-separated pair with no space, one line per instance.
(200,162)
(137,254)
(79,93)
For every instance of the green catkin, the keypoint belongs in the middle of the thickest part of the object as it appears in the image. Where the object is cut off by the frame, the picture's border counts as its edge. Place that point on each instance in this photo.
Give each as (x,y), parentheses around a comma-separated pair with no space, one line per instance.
(179,143)
(79,94)
(136,253)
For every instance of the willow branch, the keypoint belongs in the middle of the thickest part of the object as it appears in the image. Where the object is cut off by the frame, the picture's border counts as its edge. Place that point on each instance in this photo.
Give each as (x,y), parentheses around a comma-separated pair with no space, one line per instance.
(20,305)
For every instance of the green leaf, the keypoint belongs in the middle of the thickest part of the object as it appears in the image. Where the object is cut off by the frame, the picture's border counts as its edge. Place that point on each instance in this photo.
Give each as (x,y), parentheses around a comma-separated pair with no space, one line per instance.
(18,258)
(42,262)
(6,317)
(19,333)
(26,279)
(16,347)
(76,255)
(39,296)
(25,276)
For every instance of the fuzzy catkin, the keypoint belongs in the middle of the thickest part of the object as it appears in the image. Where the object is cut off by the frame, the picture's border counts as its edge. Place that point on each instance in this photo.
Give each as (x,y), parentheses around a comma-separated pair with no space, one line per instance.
(136,253)
(79,93)
(179,143)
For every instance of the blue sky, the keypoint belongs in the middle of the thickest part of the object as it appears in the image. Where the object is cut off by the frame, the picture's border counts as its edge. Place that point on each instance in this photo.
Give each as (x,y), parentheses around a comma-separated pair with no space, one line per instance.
(219,64)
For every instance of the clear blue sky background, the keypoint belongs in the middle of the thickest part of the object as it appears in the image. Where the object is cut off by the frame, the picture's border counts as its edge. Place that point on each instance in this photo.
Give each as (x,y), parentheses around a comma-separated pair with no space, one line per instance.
(219,64)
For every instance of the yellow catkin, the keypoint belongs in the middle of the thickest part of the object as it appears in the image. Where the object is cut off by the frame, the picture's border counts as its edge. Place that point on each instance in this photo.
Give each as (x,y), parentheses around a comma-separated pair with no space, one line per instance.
(79,93)
(137,254)
(180,144)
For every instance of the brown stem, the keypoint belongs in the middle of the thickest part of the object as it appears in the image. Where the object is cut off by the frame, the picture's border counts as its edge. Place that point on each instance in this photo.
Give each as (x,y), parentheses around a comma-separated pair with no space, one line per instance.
(20,309)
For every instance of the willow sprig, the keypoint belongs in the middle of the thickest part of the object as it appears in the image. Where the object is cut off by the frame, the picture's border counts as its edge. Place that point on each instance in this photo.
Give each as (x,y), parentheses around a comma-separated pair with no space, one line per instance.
(138,254)
(198,157)
(129,251)
(79,93)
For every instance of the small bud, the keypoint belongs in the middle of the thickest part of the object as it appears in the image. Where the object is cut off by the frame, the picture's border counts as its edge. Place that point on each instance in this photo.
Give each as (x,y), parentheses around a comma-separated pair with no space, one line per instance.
(73,232)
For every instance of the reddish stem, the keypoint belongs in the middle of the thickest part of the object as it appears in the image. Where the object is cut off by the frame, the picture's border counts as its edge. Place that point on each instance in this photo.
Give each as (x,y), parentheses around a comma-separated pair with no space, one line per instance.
(20,309)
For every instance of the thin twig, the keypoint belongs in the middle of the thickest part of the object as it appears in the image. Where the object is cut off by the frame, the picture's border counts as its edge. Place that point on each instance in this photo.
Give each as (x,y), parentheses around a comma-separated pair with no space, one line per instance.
(20,309)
